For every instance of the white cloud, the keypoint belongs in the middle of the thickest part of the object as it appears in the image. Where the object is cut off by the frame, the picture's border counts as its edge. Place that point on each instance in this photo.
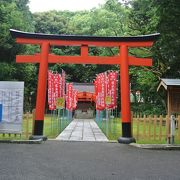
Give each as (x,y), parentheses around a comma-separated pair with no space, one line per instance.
(72,5)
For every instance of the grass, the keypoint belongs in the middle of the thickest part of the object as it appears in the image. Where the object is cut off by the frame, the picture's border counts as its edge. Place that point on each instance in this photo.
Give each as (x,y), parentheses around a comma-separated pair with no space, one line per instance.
(52,128)
(113,130)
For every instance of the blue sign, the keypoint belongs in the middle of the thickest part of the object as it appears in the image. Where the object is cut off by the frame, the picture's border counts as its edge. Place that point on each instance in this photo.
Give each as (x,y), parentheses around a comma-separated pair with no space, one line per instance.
(1,112)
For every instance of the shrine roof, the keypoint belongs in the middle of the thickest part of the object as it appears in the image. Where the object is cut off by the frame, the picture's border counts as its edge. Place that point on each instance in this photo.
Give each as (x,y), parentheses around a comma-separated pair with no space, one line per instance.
(30,35)
(169,82)
(84,87)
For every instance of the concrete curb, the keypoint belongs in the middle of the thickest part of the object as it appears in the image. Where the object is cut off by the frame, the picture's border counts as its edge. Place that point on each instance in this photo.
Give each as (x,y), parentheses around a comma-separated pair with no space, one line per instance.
(61,140)
(39,141)
(156,146)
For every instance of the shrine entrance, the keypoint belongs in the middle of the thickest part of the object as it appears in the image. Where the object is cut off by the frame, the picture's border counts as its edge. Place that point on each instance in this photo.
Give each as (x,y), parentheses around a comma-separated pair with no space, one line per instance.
(84,42)
(85,100)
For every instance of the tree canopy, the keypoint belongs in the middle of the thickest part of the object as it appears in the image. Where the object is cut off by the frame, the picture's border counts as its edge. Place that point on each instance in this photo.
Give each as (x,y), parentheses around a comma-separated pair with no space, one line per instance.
(114,18)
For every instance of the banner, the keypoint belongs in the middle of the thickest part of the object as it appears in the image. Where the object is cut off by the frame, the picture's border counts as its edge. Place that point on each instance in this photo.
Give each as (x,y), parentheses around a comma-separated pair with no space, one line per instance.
(95,87)
(67,92)
(108,100)
(60,86)
(55,89)
(75,98)
(63,83)
(112,76)
(49,87)
(105,90)
(11,106)
(98,90)
(69,96)
(100,97)
(60,102)
(51,94)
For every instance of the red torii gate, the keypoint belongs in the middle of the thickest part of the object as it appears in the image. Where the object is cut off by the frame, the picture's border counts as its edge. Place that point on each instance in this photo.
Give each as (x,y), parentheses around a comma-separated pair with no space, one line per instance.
(123,59)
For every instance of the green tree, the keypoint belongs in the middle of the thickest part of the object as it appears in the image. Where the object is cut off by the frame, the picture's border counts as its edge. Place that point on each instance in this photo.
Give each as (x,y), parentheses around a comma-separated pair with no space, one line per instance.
(147,17)
(143,20)
(12,15)
(167,49)
(15,14)
(52,22)
(82,23)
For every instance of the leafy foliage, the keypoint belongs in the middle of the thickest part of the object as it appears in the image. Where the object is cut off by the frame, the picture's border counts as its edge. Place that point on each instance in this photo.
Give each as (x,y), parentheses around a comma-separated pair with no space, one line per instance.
(15,14)
(167,51)
(150,16)
(114,18)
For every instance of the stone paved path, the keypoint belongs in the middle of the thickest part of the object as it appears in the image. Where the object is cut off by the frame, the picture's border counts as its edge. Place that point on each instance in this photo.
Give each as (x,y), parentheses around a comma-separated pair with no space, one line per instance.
(82,130)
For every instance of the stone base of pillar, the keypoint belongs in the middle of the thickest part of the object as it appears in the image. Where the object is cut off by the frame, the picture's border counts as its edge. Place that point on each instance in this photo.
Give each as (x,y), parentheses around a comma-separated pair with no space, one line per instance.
(126,134)
(126,140)
(33,137)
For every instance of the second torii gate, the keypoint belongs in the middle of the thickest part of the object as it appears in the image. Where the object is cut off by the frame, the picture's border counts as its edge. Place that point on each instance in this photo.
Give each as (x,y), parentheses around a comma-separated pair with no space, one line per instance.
(84,42)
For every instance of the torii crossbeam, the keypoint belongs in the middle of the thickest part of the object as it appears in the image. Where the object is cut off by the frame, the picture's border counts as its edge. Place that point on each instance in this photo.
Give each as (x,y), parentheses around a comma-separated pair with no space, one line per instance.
(84,42)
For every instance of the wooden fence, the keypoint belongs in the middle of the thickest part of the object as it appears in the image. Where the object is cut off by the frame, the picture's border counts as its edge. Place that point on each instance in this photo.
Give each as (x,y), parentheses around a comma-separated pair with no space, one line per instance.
(27,125)
(154,128)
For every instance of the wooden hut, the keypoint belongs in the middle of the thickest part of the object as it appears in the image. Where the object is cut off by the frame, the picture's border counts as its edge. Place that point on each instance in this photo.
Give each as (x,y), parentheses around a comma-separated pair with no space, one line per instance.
(172,86)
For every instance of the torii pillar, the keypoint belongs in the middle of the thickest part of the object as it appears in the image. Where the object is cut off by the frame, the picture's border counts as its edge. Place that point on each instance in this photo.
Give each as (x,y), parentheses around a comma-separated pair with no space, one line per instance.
(84,42)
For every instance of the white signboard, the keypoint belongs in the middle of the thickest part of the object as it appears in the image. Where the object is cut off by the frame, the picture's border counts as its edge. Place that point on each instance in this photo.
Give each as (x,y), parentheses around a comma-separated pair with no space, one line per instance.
(11,106)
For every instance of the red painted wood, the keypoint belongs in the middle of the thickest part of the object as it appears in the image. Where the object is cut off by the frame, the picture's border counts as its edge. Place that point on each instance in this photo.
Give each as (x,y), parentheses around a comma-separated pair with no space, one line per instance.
(84,59)
(42,81)
(79,43)
(125,89)
(44,58)
(86,96)
(84,51)
(139,61)
(28,58)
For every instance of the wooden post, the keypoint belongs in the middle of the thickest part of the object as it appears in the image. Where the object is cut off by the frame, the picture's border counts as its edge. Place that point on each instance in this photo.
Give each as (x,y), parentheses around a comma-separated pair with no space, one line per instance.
(179,126)
(125,98)
(137,136)
(169,115)
(167,129)
(144,126)
(155,120)
(149,127)
(160,127)
(33,119)
(27,125)
(41,91)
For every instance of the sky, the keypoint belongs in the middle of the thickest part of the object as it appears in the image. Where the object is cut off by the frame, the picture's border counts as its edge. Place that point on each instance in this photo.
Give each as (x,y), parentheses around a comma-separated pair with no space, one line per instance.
(71,5)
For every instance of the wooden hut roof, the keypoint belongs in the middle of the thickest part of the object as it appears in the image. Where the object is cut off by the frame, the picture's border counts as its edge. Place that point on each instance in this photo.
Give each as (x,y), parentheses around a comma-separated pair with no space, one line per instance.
(168,82)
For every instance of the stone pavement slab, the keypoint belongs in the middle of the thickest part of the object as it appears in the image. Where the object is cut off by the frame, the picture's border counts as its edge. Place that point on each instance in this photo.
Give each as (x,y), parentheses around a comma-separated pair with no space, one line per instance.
(82,130)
